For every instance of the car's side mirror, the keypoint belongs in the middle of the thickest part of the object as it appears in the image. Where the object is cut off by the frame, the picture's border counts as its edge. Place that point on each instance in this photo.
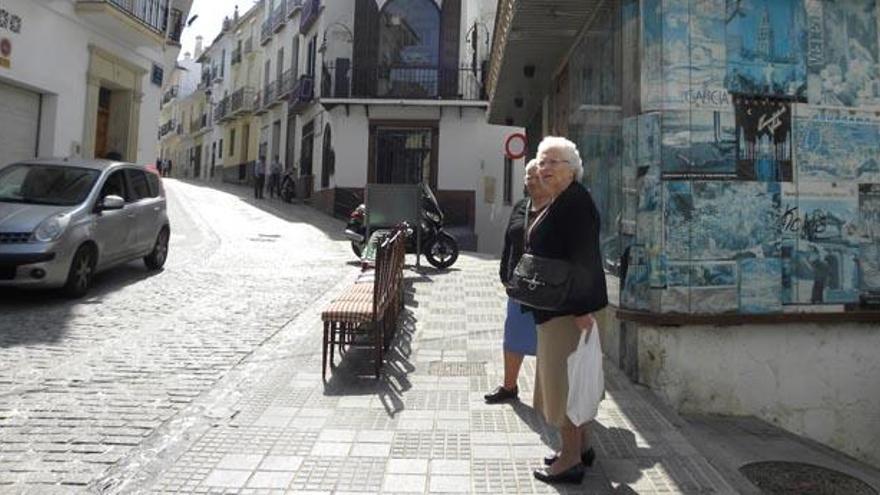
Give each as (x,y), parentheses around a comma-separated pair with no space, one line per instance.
(111,202)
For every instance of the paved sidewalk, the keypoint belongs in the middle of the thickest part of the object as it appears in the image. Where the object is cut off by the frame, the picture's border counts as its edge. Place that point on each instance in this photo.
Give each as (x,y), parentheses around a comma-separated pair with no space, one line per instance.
(422,428)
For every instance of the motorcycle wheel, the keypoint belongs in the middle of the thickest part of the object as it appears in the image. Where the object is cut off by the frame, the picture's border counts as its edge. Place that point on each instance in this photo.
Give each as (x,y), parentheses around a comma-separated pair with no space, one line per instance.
(443,252)
(357,249)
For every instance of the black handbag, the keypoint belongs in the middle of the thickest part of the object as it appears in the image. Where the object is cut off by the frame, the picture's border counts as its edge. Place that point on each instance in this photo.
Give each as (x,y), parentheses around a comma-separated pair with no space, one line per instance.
(540,282)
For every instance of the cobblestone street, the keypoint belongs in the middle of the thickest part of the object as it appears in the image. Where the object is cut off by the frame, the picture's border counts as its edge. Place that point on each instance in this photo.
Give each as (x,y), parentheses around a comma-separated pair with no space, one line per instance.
(84,383)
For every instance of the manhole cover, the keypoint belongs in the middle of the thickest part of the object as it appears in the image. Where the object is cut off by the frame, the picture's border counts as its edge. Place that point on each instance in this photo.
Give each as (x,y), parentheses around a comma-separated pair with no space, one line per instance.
(465,368)
(795,478)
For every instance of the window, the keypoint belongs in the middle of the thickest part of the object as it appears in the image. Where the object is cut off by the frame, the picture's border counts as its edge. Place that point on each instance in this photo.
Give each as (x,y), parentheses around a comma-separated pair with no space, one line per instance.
(116,186)
(310,61)
(140,189)
(508,181)
(223,64)
(409,48)
(220,150)
(279,66)
(232,142)
(294,57)
(403,155)
(155,187)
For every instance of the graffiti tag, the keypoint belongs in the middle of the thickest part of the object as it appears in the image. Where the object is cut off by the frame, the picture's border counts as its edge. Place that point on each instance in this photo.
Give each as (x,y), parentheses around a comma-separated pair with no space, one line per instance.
(773,122)
(808,227)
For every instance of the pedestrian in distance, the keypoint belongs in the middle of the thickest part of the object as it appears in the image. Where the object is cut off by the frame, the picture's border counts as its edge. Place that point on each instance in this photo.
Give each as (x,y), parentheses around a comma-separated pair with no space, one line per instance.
(275,178)
(259,177)
(168,166)
(520,335)
(566,229)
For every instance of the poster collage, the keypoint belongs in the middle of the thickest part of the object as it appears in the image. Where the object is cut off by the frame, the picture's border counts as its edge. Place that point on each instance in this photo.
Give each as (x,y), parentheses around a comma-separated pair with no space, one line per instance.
(755,157)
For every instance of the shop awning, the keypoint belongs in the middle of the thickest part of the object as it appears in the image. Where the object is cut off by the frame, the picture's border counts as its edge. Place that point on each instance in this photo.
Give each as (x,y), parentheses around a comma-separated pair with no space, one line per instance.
(532,38)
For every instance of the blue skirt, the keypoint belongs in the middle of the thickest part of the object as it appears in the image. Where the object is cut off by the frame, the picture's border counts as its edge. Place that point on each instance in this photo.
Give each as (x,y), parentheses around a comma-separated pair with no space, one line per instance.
(520,333)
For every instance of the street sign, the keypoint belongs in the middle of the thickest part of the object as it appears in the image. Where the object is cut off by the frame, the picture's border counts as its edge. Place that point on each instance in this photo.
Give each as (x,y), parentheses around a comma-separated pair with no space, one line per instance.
(515,146)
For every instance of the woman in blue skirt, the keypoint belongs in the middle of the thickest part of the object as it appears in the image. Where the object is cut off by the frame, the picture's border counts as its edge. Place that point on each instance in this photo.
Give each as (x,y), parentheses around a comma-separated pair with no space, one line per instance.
(520,335)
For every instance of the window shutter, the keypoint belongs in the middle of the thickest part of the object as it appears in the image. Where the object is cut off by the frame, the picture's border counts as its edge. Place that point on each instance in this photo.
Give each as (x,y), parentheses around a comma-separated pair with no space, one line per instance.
(450,38)
(366,48)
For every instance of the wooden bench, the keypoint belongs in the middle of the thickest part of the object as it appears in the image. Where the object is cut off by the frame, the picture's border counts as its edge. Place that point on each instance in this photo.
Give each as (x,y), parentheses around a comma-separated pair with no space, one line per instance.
(365,314)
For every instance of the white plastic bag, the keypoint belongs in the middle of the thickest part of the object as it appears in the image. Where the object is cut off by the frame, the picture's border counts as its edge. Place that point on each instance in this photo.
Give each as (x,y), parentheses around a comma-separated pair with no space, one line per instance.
(586,380)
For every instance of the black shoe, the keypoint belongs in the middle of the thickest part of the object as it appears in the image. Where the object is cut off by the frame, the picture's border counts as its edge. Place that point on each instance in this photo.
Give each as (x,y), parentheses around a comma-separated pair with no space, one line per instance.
(501,394)
(573,475)
(587,458)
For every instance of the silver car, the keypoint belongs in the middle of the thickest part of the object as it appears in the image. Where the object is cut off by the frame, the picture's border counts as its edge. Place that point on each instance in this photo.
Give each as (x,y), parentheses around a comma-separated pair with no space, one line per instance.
(62,221)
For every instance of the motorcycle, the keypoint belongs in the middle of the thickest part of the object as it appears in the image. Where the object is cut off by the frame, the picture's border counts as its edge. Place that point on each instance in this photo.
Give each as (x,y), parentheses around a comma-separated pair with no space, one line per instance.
(288,186)
(439,247)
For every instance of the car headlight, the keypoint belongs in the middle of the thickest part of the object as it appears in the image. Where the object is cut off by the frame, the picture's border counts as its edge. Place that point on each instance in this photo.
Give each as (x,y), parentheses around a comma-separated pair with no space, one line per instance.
(51,228)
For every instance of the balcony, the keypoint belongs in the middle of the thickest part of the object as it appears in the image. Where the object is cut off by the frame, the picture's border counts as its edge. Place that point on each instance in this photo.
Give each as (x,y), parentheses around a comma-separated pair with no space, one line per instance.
(205,82)
(270,95)
(279,16)
(259,109)
(221,111)
(170,95)
(199,125)
(302,95)
(167,128)
(311,10)
(249,45)
(150,18)
(285,84)
(241,102)
(266,31)
(180,129)
(416,83)
(175,27)
(216,76)
(236,57)
(293,6)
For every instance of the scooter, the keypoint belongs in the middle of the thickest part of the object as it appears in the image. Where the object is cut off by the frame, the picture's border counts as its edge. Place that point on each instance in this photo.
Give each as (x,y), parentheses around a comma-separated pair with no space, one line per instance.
(439,247)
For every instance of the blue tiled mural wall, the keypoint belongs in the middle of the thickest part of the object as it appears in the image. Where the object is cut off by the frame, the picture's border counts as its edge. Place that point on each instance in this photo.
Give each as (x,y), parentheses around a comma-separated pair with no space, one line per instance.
(751,170)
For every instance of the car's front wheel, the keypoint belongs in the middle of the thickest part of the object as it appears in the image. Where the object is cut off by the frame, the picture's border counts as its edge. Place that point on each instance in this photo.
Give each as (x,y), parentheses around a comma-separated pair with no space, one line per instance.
(82,270)
(156,259)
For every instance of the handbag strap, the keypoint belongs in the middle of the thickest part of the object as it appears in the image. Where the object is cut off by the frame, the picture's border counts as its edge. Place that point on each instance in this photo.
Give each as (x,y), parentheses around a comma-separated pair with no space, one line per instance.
(527,231)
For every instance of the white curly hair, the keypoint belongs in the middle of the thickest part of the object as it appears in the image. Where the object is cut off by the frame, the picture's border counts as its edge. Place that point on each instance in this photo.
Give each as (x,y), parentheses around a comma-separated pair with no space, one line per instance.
(568,149)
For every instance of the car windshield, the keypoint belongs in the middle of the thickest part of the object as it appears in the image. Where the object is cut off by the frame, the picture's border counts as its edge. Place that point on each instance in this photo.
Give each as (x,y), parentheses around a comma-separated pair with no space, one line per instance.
(46,184)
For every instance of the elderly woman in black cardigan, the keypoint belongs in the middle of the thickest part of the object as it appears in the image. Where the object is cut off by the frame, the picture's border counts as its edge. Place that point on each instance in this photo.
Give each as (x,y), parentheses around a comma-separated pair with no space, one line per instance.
(567,229)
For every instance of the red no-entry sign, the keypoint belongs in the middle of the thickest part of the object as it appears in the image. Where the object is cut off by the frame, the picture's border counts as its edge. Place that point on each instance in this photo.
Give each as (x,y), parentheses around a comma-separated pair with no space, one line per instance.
(515,146)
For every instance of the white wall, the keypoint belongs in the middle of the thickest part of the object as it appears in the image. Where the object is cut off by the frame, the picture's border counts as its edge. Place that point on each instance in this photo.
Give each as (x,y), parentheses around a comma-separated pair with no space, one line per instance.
(817,380)
(57,65)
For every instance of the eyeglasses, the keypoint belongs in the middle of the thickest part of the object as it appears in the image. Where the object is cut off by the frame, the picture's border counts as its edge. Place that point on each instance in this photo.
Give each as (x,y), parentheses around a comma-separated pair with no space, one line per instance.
(547,163)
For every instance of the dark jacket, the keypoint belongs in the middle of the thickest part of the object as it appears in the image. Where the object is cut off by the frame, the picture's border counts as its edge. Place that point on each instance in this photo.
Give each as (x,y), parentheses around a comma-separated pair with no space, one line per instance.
(513,240)
(570,231)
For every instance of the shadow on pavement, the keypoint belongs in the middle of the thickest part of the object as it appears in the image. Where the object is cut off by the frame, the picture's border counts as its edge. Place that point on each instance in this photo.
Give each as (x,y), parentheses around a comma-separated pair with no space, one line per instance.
(42,316)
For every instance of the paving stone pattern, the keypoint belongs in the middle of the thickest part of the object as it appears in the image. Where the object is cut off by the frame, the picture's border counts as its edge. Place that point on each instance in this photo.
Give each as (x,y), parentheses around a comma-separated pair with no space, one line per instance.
(84,383)
(423,427)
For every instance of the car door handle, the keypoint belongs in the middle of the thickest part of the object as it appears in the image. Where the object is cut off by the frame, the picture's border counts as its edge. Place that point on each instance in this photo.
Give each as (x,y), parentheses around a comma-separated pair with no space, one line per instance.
(156,208)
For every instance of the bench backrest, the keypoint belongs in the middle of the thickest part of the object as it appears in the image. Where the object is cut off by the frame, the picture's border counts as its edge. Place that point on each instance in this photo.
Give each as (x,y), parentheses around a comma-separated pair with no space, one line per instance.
(390,254)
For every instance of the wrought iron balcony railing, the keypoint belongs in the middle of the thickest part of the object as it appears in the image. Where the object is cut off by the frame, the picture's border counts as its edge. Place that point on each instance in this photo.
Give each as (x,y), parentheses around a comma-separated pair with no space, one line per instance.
(167,128)
(169,95)
(241,102)
(285,84)
(311,9)
(266,31)
(302,94)
(400,82)
(279,16)
(151,13)
(221,110)
(293,6)
(270,94)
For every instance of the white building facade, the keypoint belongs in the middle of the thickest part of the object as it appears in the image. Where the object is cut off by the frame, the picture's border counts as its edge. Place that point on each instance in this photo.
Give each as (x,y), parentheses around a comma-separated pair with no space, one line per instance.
(355,92)
(84,77)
